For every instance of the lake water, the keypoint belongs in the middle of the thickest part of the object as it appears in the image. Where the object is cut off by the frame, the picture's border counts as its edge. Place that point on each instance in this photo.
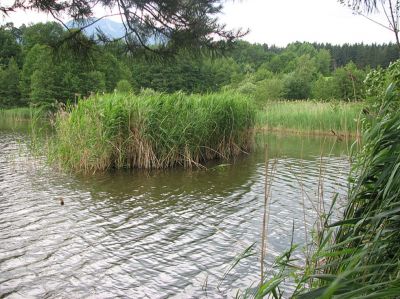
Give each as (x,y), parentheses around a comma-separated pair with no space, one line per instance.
(158,234)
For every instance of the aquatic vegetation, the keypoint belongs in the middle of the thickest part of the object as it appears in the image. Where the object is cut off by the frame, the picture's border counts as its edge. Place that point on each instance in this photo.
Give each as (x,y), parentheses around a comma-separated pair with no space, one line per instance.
(151,130)
(310,116)
(358,256)
(16,114)
(363,258)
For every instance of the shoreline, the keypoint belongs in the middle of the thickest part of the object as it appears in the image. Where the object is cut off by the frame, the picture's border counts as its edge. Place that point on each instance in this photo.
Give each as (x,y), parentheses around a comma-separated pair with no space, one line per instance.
(291,131)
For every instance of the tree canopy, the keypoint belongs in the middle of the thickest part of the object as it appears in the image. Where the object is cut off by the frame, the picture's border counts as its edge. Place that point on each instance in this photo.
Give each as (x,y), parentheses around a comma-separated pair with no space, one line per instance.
(36,70)
(174,23)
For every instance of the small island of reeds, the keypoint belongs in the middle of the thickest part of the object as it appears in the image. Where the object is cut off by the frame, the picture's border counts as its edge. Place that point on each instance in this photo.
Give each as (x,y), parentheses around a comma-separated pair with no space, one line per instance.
(151,130)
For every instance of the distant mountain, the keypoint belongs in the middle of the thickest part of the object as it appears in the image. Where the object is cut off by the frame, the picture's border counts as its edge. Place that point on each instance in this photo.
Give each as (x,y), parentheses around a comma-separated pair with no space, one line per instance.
(109,27)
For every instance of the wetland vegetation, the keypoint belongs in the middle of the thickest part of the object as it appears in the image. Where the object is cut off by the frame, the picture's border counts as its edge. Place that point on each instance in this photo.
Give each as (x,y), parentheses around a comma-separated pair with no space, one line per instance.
(112,108)
(311,117)
(152,130)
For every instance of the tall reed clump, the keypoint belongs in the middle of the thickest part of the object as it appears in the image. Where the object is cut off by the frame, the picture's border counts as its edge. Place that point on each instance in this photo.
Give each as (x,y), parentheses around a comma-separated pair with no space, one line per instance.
(359,256)
(310,116)
(151,130)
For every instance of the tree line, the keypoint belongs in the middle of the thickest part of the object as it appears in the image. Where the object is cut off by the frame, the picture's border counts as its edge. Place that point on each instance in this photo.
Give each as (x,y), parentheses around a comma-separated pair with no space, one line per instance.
(40,65)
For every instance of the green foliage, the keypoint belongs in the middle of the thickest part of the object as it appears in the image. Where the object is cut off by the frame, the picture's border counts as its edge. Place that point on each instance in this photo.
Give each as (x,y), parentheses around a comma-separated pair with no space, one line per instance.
(263,73)
(363,257)
(296,86)
(252,54)
(247,87)
(35,57)
(184,72)
(9,46)
(16,114)
(377,80)
(43,92)
(358,256)
(269,89)
(47,34)
(152,130)
(95,82)
(124,86)
(361,54)
(71,75)
(112,69)
(9,85)
(281,63)
(349,82)
(80,67)
(325,88)
(308,116)
(323,61)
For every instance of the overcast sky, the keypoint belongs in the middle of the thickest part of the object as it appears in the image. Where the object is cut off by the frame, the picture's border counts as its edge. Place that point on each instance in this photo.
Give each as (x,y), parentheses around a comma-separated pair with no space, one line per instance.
(280,22)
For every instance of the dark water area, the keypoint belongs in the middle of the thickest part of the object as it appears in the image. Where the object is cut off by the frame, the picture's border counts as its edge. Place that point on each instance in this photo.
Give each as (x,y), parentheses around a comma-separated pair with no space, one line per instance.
(157,234)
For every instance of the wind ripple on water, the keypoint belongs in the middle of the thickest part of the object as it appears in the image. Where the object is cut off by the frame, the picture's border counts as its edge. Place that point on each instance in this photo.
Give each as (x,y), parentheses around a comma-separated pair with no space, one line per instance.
(156,235)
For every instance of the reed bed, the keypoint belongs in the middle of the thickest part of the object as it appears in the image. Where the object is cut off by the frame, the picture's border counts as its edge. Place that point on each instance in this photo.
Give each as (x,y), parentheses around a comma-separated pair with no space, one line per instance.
(17,114)
(358,256)
(363,258)
(310,117)
(151,130)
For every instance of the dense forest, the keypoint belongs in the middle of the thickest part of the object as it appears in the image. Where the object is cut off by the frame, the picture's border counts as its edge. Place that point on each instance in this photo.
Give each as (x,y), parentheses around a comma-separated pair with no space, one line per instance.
(41,65)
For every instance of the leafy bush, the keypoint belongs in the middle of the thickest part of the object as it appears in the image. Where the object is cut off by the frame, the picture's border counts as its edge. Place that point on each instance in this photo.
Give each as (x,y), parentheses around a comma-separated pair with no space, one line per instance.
(296,86)
(269,89)
(324,89)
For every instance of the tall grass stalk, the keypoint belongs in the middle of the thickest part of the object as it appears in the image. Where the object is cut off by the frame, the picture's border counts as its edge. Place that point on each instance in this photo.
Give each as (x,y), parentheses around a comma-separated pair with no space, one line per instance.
(310,117)
(269,176)
(151,130)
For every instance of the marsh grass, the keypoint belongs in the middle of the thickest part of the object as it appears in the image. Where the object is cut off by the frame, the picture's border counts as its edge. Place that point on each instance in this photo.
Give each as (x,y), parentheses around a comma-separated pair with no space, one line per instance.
(358,256)
(16,114)
(363,250)
(311,117)
(151,130)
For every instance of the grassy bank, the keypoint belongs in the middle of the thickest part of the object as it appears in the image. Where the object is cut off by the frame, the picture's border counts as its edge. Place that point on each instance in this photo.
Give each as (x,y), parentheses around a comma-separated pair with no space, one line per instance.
(151,130)
(310,117)
(16,114)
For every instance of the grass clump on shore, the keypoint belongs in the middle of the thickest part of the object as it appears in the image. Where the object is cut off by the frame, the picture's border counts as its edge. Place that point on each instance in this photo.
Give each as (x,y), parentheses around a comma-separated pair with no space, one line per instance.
(310,117)
(17,114)
(151,130)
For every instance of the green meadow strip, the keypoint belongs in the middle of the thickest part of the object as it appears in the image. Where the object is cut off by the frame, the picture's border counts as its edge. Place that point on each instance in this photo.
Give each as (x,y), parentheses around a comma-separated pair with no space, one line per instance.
(310,116)
(16,114)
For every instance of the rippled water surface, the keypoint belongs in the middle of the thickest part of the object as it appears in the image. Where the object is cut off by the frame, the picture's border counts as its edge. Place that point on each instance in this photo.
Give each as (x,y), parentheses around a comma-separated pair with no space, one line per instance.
(155,234)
